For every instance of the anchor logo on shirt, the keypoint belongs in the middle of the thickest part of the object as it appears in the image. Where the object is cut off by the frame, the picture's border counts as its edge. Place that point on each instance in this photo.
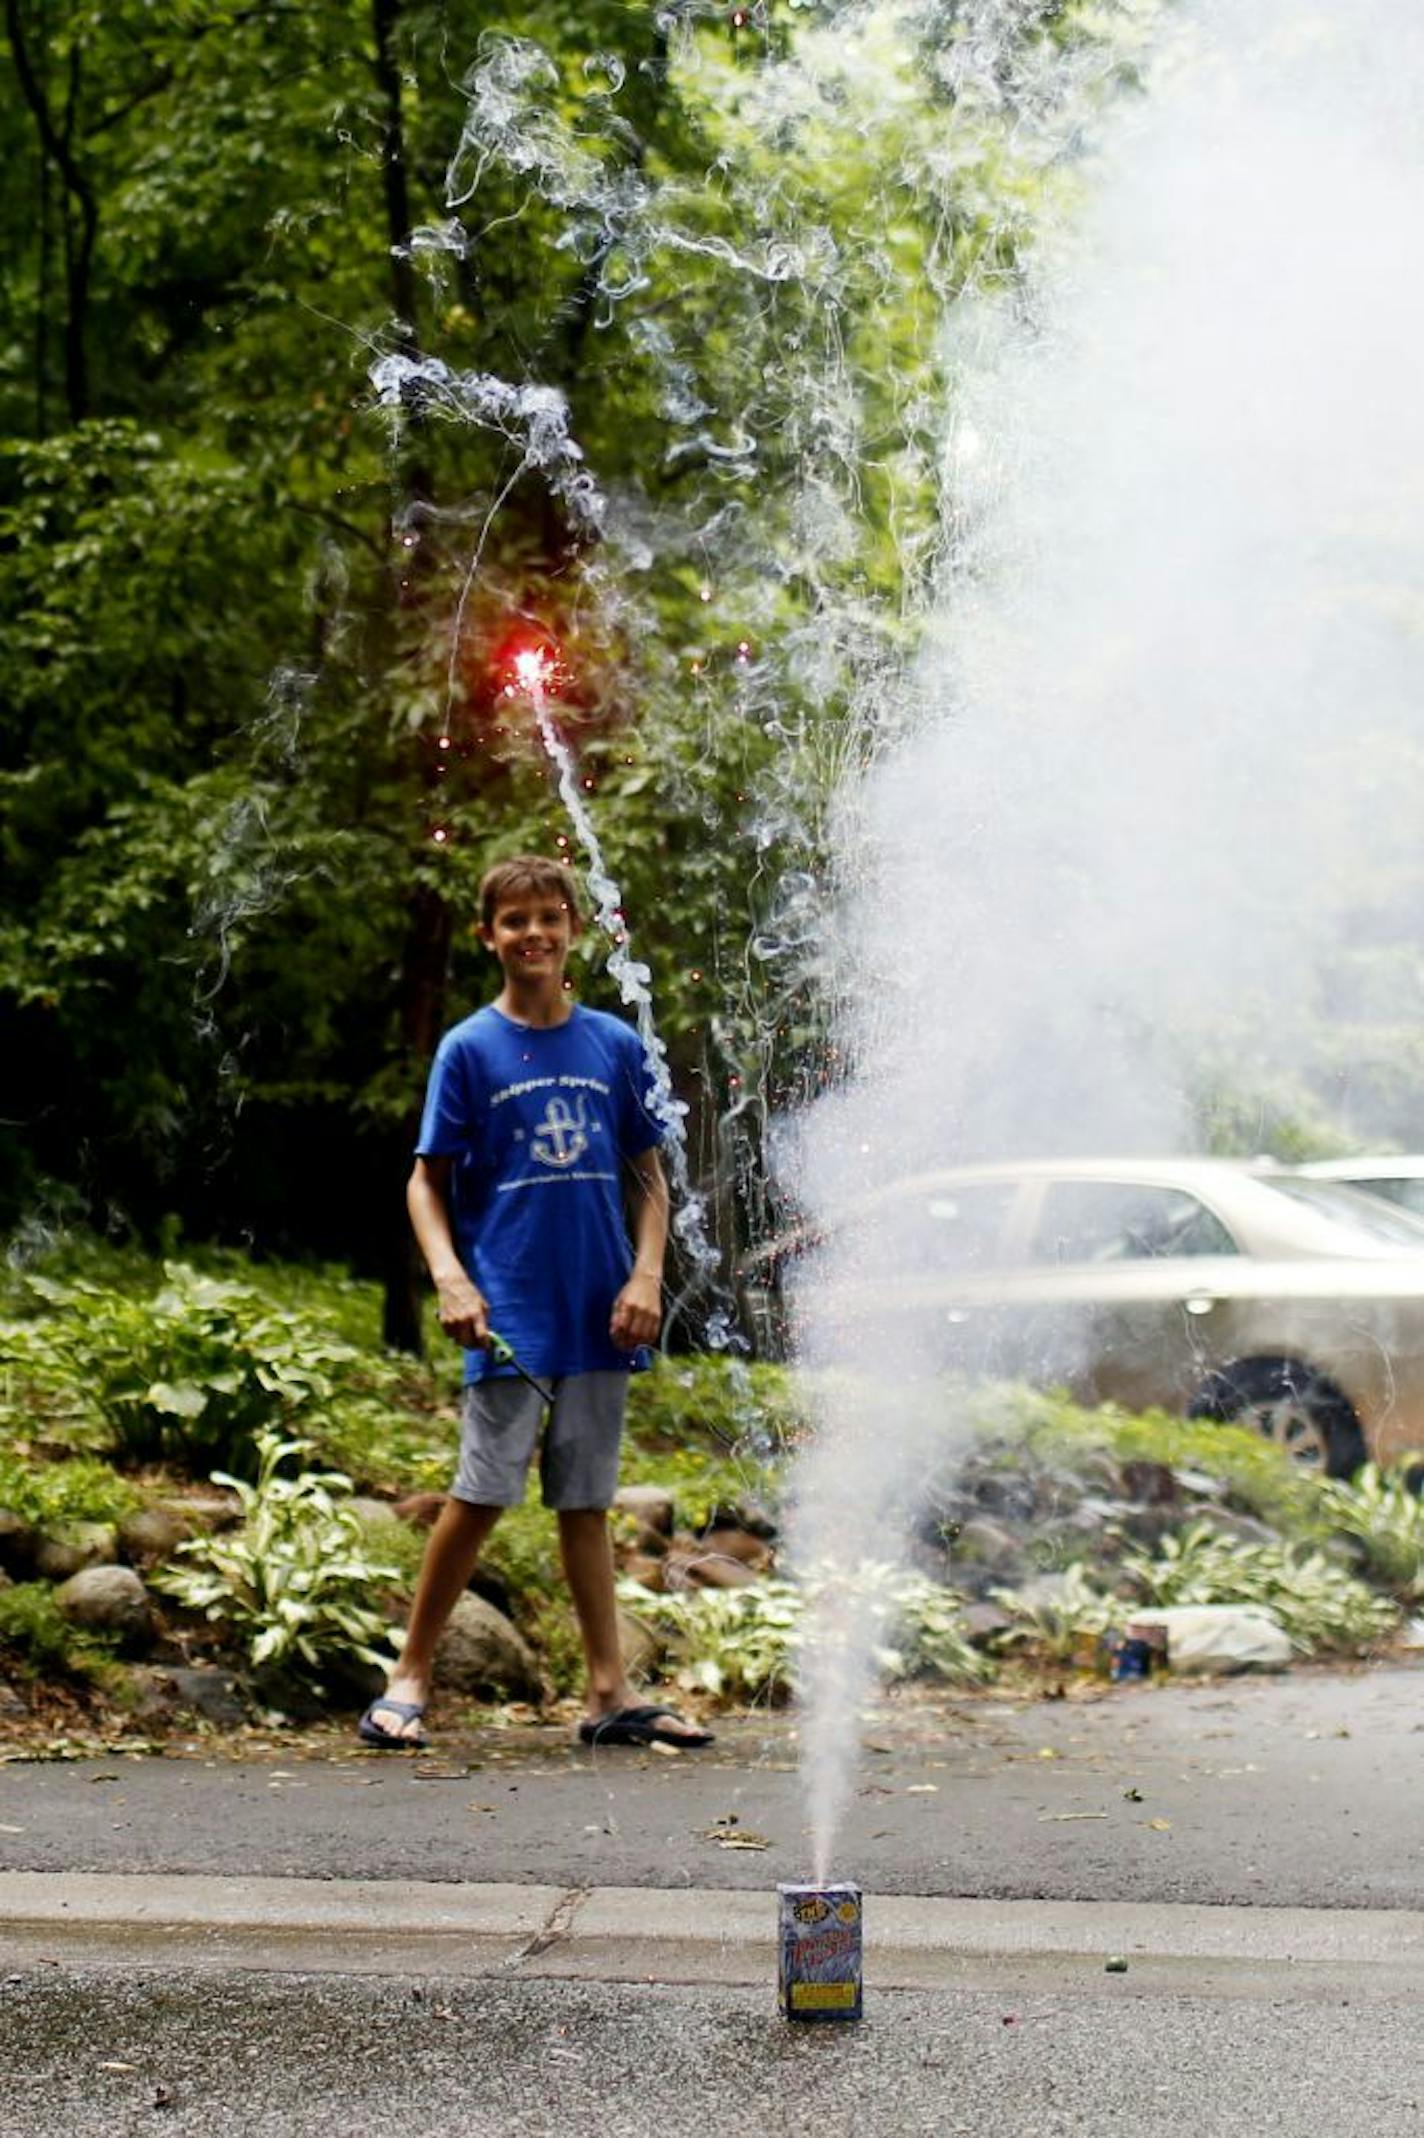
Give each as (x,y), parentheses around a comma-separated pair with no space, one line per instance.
(560,1139)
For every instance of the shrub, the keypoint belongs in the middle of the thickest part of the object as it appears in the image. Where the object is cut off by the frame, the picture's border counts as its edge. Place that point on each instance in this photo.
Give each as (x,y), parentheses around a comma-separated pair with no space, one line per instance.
(190,1374)
(40,1638)
(1318,1603)
(78,1489)
(1385,1514)
(293,1582)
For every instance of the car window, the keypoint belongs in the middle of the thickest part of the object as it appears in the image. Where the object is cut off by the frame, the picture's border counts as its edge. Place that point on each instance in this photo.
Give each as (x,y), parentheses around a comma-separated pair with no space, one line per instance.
(958,1228)
(1370,1213)
(1114,1221)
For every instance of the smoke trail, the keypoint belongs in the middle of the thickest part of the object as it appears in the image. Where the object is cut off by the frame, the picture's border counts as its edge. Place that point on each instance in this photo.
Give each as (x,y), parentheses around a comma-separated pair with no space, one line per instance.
(1139,808)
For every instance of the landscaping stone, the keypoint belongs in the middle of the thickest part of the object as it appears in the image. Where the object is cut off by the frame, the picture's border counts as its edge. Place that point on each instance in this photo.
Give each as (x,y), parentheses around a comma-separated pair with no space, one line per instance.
(1216,1639)
(71,1547)
(18,1539)
(753,1551)
(983,1623)
(482,1654)
(1152,1484)
(207,1690)
(371,1510)
(642,1646)
(110,1600)
(690,1565)
(421,1509)
(150,1535)
(652,1504)
(644,1568)
(211,1511)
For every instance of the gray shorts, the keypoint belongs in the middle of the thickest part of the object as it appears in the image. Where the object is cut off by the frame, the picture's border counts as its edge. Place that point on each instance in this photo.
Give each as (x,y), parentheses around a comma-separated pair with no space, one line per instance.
(578,1455)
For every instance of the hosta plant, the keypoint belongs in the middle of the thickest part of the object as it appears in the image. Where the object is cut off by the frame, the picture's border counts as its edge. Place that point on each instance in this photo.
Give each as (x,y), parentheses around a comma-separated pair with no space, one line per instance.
(293,1582)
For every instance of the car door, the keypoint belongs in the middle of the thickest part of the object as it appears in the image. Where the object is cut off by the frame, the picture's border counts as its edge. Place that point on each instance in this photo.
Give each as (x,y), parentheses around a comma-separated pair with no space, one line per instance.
(1127,1297)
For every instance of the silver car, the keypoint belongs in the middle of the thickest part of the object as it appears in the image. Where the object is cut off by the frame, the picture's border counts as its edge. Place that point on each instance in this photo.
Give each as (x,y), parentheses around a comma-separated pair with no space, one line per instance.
(1195,1285)
(1398,1180)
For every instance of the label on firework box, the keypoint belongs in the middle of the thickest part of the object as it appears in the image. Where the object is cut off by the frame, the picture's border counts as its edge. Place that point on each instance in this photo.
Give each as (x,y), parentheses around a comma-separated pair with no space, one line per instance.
(818,1948)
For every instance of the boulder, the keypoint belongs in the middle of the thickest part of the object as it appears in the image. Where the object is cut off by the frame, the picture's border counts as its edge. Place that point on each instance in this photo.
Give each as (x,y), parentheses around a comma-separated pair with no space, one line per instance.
(70,1547)
(1215,1639)
(653,1506)
(754,1552)
(211,1511)
(482,1654)
(643,1568)
(109,1600)
(984,1623)
(1151,1484)
(642,1646)
(18,1539)
(421,1509)
(689,1565)
(150,1535)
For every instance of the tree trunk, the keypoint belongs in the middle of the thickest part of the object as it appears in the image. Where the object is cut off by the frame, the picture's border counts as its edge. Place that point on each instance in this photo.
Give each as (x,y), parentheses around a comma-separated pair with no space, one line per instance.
(425,955)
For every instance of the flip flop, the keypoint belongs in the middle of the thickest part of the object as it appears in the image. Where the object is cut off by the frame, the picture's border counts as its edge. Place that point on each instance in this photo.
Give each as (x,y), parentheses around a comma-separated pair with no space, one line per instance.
(640,1726)
(370,1732)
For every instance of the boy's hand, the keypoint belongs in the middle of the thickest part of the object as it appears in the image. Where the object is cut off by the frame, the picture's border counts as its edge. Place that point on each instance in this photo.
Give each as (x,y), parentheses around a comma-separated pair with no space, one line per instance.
(637,1313)
(463,1312)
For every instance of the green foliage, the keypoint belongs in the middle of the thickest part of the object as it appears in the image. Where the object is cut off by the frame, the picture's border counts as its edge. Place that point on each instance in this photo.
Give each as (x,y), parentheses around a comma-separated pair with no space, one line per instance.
(190,1374)
(742,1643)
(1050,1427)
(37,1637)
(1383,1510)
(77,1489)
(1318,1603)
(293,1582)
(1063,1623)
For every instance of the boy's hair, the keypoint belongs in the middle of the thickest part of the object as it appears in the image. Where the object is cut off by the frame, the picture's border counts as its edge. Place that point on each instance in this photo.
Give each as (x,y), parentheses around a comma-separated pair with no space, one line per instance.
(524,876)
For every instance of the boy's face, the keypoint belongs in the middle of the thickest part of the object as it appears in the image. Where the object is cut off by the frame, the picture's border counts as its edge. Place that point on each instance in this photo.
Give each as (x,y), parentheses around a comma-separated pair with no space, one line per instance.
(531,934)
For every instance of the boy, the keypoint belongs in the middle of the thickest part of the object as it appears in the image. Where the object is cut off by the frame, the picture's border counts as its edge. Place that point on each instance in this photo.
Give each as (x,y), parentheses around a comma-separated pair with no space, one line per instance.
(535,1111)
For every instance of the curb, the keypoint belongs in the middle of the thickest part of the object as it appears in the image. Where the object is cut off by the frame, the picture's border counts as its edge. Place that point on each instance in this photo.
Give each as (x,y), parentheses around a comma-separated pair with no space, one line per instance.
(627,1933)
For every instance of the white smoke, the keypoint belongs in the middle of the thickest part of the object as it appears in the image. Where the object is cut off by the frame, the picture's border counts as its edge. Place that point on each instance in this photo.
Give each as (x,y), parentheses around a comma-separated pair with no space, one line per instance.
(1169,730)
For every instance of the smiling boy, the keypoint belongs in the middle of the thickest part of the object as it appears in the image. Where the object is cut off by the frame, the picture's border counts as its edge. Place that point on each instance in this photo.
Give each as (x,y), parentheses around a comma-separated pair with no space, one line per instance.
(536,1121)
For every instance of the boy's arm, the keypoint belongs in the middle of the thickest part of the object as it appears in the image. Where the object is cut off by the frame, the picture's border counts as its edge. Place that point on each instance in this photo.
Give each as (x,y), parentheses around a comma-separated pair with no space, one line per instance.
(463,1312)
(638,1309)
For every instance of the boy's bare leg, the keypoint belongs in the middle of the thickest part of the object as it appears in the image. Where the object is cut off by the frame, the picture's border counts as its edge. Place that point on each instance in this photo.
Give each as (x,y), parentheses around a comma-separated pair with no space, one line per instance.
(588,1566)
(450,1559)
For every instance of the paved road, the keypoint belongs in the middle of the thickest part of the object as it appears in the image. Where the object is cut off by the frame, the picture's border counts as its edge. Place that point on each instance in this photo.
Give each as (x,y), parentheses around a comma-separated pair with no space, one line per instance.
(1303,1791)
(514,1938)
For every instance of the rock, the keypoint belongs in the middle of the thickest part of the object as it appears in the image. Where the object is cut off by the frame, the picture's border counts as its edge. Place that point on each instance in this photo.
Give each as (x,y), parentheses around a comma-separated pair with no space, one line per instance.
(744,1514)
(150,1535)
(211,1511)
(72,1546)
(373,1511)
(18,1539)
(642,1646)
(110,1600)
(643,1568)
(1216,1638)
(1008,1496)
(482,1654)
(754,1552)
(983,1623)
(207,1690)
(984,1542)
(652,1505)
(650,1542)
(10,1701)
(421,1509)
(1151,1484)
(689,1565)
(1244,1527)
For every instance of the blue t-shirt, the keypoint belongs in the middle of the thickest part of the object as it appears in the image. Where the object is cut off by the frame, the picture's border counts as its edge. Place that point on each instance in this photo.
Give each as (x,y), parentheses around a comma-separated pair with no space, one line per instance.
(539,1121)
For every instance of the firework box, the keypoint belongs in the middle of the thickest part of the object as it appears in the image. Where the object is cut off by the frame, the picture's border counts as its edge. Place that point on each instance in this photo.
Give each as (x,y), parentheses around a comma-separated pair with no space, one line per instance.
(818,1951)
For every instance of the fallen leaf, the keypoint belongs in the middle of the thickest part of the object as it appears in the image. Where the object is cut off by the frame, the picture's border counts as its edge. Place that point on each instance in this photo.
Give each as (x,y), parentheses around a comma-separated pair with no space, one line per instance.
(668,1751)
(1134,1796)
(1047,1752)
(922,1789)
(1160,1826)
(1057,1818)
(111,2064)
(11,1829)
(747,1841)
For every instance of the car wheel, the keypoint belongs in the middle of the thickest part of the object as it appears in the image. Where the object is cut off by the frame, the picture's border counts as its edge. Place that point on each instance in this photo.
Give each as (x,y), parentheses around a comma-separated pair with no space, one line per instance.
(1301,1412)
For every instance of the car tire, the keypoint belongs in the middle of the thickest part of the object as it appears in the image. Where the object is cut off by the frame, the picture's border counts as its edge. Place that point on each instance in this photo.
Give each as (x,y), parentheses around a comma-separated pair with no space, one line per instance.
(1300,1411)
